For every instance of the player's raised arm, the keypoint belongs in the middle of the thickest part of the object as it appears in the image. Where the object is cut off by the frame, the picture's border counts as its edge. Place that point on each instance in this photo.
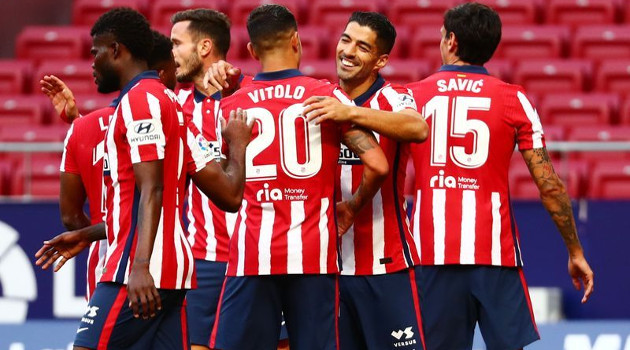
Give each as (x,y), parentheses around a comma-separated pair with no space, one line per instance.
(375,170)
(556,200)
(405,125)
(225,187)
(61,97)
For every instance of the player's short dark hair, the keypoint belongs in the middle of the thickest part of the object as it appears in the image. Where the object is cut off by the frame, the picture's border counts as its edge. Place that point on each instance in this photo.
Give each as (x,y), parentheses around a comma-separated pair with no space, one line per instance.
(377,22)
(206,23)
(129,27)
(162,50)
(268,24)
(477,28)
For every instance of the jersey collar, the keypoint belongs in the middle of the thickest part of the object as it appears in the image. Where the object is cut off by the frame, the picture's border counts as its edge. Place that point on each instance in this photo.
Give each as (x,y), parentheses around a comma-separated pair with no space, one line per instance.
(149,74)
(464,69)
(361,99)
(115,102)
(200,96)
(278,75)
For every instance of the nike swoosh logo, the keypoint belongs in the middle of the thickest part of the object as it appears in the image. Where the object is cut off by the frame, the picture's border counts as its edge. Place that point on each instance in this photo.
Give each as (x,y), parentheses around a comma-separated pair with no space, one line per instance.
(81,329)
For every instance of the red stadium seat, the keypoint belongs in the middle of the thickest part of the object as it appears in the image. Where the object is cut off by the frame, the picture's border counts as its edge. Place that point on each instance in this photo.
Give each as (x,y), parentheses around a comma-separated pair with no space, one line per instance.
(248,67)
(163,10)
(500,68)
(86,12)
(42,43)
(240,9)
(76,74)
(320,69)
(413,13)
(334,14)
(610,180)
(425,43)
(515,12)
(524,42)
(570,110)
(549,76)
(613,76)
(37,175)
(33,133)
(602,42)
(624,114)
(405,71)
(238,43)
(315,43)
(13,76)
(522,186)
(401,49)
(553,133)
(90,102)
(6,167)
(600,134)
(578,12)
(22,109)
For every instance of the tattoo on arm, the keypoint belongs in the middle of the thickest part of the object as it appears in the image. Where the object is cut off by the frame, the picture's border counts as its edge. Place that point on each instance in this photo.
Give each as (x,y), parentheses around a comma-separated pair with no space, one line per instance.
(359,141)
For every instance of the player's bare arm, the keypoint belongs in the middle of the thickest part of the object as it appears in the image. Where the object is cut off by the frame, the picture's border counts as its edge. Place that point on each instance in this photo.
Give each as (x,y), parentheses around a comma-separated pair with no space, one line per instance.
(72,197)
(375,170)
(144,298)
(67,245)
(225,187)
(406,126)
(61,97)
(222,76)
(556,200)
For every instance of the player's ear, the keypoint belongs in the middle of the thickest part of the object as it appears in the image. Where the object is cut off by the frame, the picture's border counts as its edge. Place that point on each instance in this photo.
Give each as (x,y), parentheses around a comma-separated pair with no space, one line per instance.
(382,61)
(296,44)
(252,52)
(115,49)
(451,42)
(204,47)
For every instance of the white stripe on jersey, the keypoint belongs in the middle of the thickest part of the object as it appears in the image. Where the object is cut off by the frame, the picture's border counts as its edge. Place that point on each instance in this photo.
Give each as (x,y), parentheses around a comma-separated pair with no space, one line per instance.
(128,119)
(533,117)
(323,236)
(294,238)
(156,114)
(192,230)
(416,224)
(469,214)
(112,161)
(496,229)
(156,255)
(240,266)
(179,232)
(347,240)
(393,99)
(439,225)
(230,223)
(378,234)
(182,96)
(267,220)
(342,97)
(62,167)
(208,217)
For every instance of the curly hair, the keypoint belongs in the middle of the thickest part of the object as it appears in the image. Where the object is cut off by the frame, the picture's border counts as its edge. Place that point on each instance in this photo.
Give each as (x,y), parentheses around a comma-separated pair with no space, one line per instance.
(162,49)
(129,27)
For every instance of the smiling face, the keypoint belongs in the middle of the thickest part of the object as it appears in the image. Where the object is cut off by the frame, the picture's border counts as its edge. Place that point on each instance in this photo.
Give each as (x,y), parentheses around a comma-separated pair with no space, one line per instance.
(188,63)
(103,52)
(357,53)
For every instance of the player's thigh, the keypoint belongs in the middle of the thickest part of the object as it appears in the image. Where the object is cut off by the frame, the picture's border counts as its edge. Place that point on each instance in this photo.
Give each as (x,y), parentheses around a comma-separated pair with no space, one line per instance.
(109,323)
(449,310)
(249,314)
(310,305)
(506,319)
(202,302)
(172,332)
(350,329)
(386,308)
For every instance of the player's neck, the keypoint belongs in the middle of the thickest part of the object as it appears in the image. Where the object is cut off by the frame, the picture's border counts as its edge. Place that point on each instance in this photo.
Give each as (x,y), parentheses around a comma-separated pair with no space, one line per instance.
(356,87)
(455,61)
(279,60)
(131,71)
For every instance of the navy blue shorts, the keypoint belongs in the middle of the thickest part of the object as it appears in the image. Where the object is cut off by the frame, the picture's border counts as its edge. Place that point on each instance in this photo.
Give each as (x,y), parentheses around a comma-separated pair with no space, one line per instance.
(109,324)
(202,303)
(380,312)
(251,309)
(454,298)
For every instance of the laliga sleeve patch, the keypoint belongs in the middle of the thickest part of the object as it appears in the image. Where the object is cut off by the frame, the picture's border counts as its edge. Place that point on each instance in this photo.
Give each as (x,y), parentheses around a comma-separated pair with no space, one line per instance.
(145,132)
(403,101)
(202,152)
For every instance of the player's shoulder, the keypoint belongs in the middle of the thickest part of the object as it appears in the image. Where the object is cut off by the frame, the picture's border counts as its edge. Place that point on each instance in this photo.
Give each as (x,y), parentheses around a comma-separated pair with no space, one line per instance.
(93,119)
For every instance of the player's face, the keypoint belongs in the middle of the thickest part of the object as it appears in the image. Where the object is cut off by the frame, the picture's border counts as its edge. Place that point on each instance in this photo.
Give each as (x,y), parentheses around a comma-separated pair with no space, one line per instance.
(188,64)
(166,70)
(444,46)
(105,75)
(357,54)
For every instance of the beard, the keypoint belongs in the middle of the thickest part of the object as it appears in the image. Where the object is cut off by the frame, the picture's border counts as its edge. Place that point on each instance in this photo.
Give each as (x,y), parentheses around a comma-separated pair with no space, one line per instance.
(194,67)
(109,81)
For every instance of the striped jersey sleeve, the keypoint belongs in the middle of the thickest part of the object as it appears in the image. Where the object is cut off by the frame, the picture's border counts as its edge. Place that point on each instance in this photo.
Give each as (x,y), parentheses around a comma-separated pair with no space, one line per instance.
(143,124)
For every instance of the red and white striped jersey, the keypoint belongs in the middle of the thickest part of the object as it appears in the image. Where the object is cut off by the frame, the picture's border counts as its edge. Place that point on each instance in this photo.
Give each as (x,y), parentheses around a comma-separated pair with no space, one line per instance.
(208,225)
(146,127)
(462,212)
(83,152)
(286,224)
(380,241)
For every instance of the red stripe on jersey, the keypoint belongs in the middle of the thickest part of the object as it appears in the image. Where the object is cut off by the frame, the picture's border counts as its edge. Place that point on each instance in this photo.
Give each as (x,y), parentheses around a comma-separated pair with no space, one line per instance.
(112,316)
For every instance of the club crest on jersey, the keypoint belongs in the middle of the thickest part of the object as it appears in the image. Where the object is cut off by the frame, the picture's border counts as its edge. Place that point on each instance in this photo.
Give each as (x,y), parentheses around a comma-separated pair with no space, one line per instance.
(441,181)
(347,157)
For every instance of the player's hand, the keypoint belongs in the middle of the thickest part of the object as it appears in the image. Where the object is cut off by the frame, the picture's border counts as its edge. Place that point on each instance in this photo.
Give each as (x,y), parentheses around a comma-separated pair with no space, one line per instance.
(61,97)
(345,217)
(222,76)
(144,299)
(63,248)
(581,274)
(238,130)
(320,108)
